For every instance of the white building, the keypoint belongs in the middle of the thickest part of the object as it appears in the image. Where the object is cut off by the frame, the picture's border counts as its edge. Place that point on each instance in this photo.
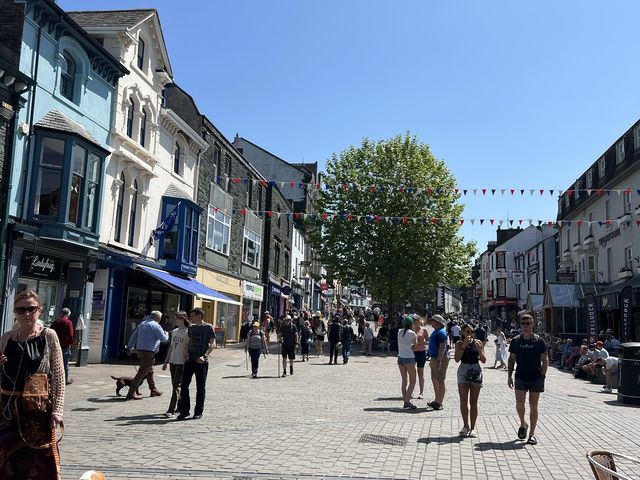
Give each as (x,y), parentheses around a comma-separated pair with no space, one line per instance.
(298,270)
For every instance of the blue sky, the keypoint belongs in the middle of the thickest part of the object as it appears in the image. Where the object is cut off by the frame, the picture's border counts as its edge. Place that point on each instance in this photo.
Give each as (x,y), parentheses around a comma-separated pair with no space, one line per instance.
(510,94)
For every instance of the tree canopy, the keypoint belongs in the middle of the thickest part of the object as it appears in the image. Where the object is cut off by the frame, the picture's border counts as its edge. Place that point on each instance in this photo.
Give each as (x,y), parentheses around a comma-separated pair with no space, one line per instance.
(399,243)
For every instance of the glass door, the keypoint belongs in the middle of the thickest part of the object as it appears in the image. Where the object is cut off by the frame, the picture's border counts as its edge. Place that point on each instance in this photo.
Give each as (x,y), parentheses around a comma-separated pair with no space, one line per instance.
(171,306)
(136,310)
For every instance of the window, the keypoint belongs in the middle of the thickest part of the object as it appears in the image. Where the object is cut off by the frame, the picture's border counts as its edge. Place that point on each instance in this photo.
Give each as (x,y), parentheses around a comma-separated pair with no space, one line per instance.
(143,128)
(169,245)
(119,210)
(601,167)
(191,229)
(502,287)
(218,230)
(628,258)
(636,137)
(140,53)
(589,179)
(276,258)
(500,260)
(78,161)
(287,264)
(217,172)
(567,200)
(249,194)
(620,152)
(279,214)
(49,178)
(626,201)
(133,213)
(132,107)
(251,248)
(67,76)
(179,245)
(93,184)
(177,167)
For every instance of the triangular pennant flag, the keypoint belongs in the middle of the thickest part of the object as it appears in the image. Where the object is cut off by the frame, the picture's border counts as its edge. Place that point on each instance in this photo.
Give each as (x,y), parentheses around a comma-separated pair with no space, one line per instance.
(569,193)
(438,190)
(473,221)
(520,222)
(456,191)
(541,191)
(236,180)
(226,182)
(560,223)
(618,191)
(493,191)
(349,217)
(530,220)
(481,221)
(323,216)
(511,223)
(292,184)
(484,191)
(462,221)
(464,192)
(434,220)
(502,190)
(500,222)
(513,190)
(405,220)
(297,215)
(215,209)
(579,222)
(531,190)
(491,221)
(269,213)
(475,190)
(522,192)
(550,192)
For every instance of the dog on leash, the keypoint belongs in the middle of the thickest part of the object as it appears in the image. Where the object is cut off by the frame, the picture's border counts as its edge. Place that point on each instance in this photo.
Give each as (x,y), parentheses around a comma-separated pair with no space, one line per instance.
(122,382)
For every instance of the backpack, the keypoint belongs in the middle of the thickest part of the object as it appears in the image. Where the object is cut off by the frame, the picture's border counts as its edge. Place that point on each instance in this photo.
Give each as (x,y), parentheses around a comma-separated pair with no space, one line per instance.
(255,339)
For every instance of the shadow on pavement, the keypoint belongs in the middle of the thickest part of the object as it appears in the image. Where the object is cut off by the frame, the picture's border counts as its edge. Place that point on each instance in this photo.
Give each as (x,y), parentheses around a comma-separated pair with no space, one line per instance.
(616,403)
(441,440)
(106,399)
(388,399)
(229,365)
(236,376)
(149,419)
(510,445)
(395,410)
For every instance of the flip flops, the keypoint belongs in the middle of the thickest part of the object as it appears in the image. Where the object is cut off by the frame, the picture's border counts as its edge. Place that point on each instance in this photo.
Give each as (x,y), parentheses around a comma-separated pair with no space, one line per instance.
(522,432)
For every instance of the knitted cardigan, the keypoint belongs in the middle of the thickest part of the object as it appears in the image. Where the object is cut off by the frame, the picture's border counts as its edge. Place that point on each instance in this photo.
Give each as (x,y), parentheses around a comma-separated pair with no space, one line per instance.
(51,364)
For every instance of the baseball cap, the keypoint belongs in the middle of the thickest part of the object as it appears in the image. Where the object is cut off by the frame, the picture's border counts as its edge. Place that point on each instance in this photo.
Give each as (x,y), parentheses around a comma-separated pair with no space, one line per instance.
(288,317)
(599,343)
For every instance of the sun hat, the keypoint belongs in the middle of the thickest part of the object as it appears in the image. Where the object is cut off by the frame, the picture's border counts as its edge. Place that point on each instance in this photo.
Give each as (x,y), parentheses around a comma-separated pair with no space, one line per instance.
(255,324)
(437,318)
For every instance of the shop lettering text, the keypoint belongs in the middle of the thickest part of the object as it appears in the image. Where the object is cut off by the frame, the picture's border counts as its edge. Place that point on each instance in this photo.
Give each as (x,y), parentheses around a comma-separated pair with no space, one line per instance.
(609,236)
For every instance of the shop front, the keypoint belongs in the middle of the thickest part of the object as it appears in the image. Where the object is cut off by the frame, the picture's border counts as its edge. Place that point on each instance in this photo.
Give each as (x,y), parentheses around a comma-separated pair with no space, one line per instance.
(253,294)
(273,300)
(619,310)
(570,309)
(223,311)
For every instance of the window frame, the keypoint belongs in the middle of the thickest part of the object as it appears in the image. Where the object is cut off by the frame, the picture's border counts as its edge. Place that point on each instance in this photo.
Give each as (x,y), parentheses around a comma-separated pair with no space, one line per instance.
(130,117)
(224,223)
(602,167)
(257,240)
(68,79)
(589,181)
(117,234)
(177,154)
(143,128)
(133,212)
(620,153)
(636,138)
(140,53)
(501,282)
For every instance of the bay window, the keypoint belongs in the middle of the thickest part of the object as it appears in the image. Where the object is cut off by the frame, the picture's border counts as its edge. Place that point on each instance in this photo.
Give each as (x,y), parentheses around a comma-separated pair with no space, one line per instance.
(179,244)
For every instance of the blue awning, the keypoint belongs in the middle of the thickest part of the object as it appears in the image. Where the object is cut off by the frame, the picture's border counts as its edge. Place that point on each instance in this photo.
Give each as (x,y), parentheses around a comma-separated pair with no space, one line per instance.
(187,285)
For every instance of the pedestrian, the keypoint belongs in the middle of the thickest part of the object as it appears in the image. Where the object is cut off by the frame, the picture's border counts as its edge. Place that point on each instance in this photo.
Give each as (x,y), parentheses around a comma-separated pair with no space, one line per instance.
(501,349)
(320,331)
(469,352)
(288,337)
(439,353)
(31,362)
(176,355)
(455,332)
(346,335)
(367,336)
(306,340)
(481,334)
(267,325)
(335,333)
(256,344)
(146,340)
(529,352)
(420,352)
(63,326)
(407,361)
(202,341)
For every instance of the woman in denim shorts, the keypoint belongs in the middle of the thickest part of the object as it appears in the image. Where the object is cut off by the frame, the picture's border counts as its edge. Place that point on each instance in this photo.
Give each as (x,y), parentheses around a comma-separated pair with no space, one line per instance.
(469,352)
(407,360)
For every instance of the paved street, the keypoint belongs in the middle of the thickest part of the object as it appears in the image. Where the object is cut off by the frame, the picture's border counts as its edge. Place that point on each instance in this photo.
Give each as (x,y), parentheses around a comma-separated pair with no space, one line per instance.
(310,426)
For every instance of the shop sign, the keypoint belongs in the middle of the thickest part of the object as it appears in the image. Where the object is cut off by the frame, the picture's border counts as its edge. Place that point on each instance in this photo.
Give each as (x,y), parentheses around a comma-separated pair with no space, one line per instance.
(40,266)
(517,277)
(625,305)
(285,290)
(566,277)
(609,301)
(609,236)
(275,290)
(252,291)
(532,269)
(590,303)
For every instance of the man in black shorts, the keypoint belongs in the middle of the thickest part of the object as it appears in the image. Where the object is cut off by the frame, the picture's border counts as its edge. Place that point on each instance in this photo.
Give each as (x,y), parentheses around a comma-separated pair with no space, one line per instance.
(288,337)
(530,353)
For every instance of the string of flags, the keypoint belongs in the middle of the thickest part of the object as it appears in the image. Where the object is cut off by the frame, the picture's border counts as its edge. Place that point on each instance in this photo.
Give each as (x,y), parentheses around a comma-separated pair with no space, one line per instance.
(427,190)
(371,218)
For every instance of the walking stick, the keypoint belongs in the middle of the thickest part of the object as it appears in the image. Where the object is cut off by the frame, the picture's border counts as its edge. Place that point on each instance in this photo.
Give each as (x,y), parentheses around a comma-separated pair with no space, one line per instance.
(246,359)
(279,353)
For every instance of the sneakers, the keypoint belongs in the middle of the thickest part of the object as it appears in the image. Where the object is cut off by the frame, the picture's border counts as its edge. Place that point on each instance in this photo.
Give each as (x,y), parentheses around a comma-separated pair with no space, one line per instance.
(284,374)
(465,431)
(409,406)
(196,417)
(168,414)
(607,390)
(134,397)
(254,375)
(182,416)
(290,369)
(532,440)
(473,434)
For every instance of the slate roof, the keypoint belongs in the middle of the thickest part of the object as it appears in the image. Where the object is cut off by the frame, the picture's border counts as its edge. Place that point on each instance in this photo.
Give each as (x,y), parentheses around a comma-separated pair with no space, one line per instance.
(174,191)
(111,18)
(54,120)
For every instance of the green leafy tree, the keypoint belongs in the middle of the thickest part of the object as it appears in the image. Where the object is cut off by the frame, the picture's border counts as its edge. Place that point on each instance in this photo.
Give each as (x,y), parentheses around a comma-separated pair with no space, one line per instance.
(373,238)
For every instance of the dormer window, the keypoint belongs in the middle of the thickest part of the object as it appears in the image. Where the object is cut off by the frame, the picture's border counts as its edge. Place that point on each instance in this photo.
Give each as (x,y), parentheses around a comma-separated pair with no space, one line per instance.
(140,53)
(67,76)
(132,107)
(601,167)
(620,151)
(177,163)
(589,179)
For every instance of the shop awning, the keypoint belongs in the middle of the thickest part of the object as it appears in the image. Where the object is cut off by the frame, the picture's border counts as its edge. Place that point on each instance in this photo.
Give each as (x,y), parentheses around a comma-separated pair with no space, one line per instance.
(187,285)
(568,295)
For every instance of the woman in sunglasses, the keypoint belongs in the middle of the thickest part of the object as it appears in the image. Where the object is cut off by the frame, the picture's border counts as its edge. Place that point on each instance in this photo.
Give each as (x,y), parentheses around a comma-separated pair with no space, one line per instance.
(30,361)
(469,352)
(176,355)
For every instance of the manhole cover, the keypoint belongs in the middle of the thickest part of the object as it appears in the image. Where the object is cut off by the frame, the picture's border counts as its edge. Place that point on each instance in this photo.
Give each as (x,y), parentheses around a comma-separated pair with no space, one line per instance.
(84,409)
(383,440)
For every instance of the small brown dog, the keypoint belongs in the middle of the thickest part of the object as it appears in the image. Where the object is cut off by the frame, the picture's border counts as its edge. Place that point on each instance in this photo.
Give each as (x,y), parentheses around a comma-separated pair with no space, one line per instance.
(122,382)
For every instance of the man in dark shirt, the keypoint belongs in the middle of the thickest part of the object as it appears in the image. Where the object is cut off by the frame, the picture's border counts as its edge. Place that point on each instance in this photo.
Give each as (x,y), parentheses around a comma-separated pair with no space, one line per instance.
(529,352)
(334,339)
(202,341)
(346,335)
(288,337)
(481,334)
(64,328)
(383,338)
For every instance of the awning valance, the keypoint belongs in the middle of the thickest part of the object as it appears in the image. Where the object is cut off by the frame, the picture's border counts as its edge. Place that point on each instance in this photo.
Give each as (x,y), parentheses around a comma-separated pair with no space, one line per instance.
(187,285)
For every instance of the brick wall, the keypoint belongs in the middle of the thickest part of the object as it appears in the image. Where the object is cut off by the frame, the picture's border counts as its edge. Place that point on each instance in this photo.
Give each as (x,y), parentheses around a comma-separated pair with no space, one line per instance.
(11,23)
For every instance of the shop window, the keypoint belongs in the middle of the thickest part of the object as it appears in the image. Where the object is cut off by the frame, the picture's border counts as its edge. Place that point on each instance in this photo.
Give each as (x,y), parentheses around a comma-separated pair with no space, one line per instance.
(218,230)
(251,248)
(119,210)
(67,195)
(67,76)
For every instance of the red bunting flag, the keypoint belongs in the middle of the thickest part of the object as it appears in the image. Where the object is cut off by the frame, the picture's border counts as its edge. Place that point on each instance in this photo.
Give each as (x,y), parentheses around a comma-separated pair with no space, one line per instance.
(269,213)
(349,217)
(243,212)
(317,186)
(569,193)
(513,190)
(405,220)
(236,180)
(323,216)
(215,209)
(292,184)
(462,221)
(491,220)
(541,191)
(264,183)
(345,186)
(297,215)
(434,220)
(484,191)
(377,218)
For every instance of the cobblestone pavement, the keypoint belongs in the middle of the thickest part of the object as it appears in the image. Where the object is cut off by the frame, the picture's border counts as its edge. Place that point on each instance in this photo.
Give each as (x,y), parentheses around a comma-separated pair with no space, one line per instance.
(310,425)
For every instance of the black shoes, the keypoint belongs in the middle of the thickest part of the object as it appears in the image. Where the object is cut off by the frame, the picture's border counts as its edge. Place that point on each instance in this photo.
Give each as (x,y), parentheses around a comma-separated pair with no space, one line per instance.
(290,369)
(522,432)
(182,416)
(196,417)
(284,374)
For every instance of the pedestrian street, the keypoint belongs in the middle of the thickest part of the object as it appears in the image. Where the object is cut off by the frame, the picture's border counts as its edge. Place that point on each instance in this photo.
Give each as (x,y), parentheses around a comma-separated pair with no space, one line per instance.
(334,421)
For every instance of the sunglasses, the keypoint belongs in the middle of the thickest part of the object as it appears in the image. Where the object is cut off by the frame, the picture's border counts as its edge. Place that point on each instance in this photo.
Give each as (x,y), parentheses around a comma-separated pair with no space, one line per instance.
(23,310)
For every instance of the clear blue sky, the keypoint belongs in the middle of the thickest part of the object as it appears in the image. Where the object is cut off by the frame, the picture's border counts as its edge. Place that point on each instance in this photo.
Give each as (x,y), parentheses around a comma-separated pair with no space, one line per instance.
(511,94)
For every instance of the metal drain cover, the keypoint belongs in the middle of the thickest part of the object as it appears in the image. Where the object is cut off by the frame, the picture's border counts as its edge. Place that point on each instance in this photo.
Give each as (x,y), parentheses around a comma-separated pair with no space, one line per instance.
(383,439)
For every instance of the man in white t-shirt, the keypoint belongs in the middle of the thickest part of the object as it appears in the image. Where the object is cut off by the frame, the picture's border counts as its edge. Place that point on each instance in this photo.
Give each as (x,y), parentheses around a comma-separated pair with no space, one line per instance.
(455,332)
(610,372)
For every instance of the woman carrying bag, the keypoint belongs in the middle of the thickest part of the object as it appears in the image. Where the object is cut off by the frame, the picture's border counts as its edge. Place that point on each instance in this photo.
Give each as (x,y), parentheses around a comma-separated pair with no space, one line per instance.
(469,352)
(31,396)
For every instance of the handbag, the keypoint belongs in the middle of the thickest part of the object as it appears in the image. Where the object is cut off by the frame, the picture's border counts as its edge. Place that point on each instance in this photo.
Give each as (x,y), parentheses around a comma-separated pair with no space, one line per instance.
(34,412)
(474,374)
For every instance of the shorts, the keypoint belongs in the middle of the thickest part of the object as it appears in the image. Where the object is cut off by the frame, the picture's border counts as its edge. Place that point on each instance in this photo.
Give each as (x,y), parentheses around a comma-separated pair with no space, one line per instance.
(536,386)
(439,373)
(406,361)
(289,351)
(421,358)
(455,339)
(320,337)
(463,369)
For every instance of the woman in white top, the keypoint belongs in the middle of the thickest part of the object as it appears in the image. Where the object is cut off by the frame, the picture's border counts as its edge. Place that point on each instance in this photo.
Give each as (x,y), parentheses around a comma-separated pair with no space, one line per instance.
(407,360)
(501,349)
(176,355)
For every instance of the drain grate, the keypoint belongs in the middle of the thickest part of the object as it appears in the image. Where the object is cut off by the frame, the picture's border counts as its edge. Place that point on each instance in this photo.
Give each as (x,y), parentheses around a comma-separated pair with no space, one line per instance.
(383,440)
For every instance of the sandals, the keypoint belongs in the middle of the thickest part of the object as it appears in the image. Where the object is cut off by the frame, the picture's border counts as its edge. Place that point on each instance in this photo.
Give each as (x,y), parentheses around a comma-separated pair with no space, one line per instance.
(522,432)
(465,431)
(435,405)
(473,434)
(420,397)
(532,440)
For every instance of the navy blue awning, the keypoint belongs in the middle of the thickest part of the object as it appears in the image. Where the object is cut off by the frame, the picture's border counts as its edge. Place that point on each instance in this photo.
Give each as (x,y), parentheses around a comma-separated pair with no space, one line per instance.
(187,285)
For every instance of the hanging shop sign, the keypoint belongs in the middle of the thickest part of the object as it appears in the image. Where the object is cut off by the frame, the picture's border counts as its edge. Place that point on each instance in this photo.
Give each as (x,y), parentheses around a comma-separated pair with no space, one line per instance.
(625,305)
(37,265)
(592,314)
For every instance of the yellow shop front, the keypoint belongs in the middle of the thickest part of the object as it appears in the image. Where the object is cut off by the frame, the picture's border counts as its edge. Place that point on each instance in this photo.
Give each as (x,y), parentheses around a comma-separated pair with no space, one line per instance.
(223,314)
